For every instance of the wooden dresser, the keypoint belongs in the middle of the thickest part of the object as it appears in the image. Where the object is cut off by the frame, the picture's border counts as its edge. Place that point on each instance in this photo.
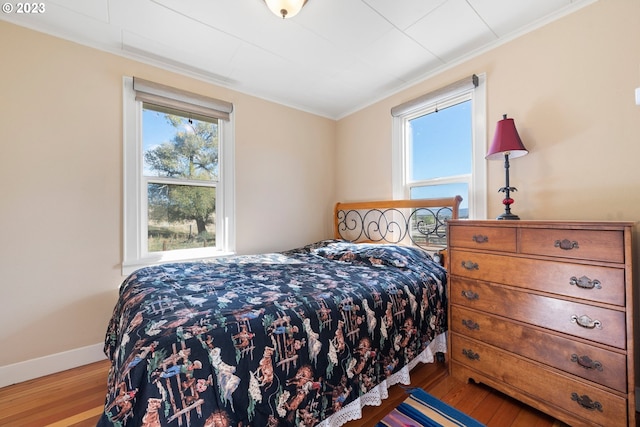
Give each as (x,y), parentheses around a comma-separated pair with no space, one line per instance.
(543,311)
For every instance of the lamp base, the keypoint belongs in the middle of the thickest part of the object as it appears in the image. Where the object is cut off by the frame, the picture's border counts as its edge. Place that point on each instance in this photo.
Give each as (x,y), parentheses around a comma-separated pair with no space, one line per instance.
(508,216)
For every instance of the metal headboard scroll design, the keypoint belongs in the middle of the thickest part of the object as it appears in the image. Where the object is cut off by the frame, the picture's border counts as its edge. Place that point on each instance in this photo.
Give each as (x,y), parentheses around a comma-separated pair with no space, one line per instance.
(420,226)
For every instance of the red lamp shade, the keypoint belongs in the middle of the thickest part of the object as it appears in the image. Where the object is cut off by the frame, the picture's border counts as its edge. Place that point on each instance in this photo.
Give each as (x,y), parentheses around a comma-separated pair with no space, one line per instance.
(506,141)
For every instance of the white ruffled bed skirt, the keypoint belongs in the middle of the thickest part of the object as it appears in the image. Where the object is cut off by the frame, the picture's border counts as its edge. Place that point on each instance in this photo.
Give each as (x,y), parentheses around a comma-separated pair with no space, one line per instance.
(375,396)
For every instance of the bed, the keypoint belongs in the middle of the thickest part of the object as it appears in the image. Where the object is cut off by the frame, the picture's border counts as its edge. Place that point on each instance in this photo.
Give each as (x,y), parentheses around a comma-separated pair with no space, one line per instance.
(302,337)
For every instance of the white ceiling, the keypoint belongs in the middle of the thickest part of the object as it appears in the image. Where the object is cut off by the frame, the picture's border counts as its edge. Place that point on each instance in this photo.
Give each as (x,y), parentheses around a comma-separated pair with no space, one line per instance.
(333,58)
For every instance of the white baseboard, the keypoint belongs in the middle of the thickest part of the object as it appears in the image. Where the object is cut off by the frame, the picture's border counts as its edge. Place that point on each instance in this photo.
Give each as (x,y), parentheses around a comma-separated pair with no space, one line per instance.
(41,366)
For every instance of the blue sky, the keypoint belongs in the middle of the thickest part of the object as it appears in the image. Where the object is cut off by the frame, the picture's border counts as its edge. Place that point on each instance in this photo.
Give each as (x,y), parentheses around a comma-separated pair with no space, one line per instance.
(155,129)
(441,147)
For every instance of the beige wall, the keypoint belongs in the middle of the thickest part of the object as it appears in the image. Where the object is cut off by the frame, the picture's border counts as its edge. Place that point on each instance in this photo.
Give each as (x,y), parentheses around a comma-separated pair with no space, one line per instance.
(61,175)
(284,177)
(570,88)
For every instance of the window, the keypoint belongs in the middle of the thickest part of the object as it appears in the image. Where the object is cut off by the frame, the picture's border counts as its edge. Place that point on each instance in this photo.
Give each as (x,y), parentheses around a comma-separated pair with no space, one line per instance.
(178,181)
(439,143)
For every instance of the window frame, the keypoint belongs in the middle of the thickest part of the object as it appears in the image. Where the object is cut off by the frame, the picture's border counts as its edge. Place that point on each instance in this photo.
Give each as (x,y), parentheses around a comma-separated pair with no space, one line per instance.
(135,210)
(477,203)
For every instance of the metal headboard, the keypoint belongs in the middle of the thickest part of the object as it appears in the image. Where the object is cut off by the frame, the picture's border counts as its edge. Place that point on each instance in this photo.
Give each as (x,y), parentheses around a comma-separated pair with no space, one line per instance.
(419,222)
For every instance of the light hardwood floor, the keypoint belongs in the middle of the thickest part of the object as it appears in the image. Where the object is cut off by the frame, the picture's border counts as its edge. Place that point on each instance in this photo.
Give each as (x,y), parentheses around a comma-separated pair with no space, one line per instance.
(74,398)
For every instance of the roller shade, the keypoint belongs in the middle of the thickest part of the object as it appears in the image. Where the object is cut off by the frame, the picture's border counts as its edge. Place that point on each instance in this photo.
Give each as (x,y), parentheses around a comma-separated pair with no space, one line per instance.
(176,99)
(468,83)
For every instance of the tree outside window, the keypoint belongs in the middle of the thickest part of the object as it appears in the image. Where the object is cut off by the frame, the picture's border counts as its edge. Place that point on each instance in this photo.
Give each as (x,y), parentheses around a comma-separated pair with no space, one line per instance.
(181,171)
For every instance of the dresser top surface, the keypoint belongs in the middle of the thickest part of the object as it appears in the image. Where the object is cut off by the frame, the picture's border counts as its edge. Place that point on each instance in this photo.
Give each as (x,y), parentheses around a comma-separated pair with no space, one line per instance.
(598,225)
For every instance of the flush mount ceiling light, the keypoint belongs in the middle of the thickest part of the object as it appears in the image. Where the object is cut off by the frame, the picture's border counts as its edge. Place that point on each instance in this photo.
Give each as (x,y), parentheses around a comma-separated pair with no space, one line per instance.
(285,8)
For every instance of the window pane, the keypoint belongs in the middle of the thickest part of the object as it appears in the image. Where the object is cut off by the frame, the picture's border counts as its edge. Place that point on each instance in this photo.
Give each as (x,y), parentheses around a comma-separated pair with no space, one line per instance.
(179,146)
(180,217)
(444,190)
(440,143)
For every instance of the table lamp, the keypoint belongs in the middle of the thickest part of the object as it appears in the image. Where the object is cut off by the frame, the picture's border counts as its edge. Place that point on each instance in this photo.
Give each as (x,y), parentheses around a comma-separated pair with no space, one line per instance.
(506,143)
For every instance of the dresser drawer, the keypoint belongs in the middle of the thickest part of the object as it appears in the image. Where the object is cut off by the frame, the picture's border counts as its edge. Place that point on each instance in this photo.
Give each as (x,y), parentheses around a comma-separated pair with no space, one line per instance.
(590,282)
(587,361)
(486,238)
(590,403)
(581,320)
(596,245)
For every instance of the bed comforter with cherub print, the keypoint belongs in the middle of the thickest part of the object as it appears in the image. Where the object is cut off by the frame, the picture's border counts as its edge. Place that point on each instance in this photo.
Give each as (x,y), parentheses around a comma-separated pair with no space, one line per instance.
(282,339)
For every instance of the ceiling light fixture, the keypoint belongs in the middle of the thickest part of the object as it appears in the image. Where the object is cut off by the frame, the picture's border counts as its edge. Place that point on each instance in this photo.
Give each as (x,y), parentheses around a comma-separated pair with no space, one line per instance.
(285,8)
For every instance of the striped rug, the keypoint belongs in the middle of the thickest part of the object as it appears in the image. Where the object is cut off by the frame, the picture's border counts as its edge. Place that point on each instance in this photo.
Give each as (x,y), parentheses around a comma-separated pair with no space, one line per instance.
(422,409)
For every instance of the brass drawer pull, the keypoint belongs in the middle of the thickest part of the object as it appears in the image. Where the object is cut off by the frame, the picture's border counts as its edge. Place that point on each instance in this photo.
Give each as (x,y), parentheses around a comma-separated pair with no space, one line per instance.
(479,238)
(470,354)
(586,362)
(470,295)
(586,322)
(470,265)
(585,283)
(470,324)
(586,402)
(566,244)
